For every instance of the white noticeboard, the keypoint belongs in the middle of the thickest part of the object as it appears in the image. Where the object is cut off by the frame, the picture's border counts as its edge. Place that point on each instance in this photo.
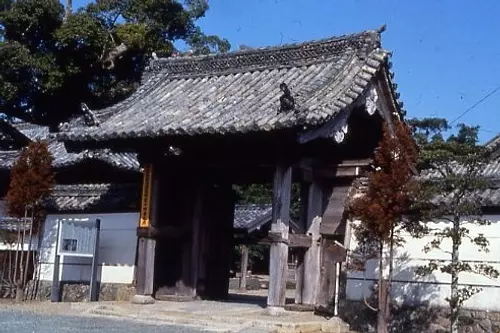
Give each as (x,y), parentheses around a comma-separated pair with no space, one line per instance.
(77,237)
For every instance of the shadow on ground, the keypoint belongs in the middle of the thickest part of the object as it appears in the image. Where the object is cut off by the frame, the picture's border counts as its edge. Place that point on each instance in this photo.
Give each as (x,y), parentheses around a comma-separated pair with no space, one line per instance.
(258,300)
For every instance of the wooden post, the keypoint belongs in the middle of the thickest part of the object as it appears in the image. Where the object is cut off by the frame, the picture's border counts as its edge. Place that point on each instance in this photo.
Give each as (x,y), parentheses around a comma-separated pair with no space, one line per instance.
(337,289)
(299,270)
(333,253)
(55,294)
(146,246)
(195,251)
(312,257)
(244,266)
(278,263)
(94,286)
(145,266)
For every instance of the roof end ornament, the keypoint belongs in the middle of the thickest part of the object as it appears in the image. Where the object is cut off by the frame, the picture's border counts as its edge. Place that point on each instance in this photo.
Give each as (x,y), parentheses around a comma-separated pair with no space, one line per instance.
(88,116)
(287,102)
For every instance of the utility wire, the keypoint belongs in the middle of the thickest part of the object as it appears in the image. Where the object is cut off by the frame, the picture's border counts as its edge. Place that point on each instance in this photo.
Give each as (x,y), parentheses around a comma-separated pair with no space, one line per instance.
(491,93)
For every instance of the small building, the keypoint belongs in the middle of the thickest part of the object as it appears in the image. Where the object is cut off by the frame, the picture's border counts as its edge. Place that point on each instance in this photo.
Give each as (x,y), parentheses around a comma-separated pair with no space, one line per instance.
(91,184)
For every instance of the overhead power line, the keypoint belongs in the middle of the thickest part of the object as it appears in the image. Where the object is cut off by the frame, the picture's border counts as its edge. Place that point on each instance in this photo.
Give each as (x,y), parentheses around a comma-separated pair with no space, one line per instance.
(491,93)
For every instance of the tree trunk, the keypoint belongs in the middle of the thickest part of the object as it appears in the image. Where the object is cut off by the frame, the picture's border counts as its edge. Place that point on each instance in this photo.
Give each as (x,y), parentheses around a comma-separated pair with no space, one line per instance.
(68,9)
(11,279)
(389,278)
(20,283)
(15,278)
(382,294)
(454,304)
(28,254)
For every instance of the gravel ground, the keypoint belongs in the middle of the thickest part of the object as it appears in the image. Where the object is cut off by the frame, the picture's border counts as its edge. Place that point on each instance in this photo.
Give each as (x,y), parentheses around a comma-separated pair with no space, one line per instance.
(20,321)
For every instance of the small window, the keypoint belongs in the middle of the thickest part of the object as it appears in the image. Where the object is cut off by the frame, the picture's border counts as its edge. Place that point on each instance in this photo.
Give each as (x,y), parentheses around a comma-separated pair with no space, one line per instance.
(69,245)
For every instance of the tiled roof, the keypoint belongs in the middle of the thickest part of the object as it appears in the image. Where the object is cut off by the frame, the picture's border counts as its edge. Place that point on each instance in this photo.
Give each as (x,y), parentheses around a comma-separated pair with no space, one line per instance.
(94,197)
(239,91)
(7,159)
(63,158)
(494,145)
(250,217)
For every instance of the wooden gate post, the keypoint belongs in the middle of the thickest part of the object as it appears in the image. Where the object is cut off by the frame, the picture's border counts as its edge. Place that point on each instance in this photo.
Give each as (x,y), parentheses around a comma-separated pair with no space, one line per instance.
(146,248)
(312,257)
(278,263)
(244,266)
(299,269)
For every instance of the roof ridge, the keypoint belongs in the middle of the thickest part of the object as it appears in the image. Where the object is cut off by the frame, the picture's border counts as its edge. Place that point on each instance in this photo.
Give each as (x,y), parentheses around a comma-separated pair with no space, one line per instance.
(339,38)
(493,142)
(294,54)
(253,205)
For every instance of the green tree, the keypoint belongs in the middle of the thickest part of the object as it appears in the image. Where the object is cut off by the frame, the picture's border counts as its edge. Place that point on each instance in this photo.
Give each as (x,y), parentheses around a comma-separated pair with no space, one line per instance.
(450,185)
(52,59)
(381,209)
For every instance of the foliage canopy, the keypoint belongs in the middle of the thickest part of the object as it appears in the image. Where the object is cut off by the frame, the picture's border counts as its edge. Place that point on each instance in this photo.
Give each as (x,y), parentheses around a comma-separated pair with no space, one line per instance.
(51,62)
(451,184)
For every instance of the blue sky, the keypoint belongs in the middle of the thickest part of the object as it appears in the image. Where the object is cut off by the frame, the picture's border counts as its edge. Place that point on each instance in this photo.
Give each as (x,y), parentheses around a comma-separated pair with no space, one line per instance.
(445,52)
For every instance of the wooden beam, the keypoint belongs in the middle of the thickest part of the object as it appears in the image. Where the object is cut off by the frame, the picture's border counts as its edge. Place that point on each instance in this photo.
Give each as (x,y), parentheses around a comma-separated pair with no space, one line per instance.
(278,263)
(294,240)
(334,212)
(348,168)
(244,266)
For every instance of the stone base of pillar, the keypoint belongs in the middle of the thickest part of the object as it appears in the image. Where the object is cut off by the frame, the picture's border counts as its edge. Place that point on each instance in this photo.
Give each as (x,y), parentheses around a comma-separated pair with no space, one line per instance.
(275,310)
(142,299)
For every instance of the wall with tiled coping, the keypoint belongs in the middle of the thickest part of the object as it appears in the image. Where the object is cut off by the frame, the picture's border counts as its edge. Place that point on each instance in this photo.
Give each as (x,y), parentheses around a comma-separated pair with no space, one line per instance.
(117,250)
(419,319)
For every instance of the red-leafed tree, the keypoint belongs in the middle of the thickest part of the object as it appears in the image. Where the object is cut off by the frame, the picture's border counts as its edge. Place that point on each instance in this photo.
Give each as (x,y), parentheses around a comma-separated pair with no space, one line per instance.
(31,183)
(381,208)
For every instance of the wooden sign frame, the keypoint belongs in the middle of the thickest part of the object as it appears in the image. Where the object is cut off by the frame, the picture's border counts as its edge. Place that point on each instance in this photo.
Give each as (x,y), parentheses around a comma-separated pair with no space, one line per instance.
(147,181)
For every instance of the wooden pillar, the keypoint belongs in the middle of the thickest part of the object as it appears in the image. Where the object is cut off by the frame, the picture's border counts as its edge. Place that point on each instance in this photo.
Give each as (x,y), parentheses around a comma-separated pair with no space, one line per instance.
(333,254)
(312,257)
(299,270)
(278,263)
(244,266)
(189,251)
(146,244)
(196,239)
(218,217)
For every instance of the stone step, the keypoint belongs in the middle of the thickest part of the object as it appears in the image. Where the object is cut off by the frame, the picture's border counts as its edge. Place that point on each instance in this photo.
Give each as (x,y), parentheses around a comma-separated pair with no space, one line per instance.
(231,323)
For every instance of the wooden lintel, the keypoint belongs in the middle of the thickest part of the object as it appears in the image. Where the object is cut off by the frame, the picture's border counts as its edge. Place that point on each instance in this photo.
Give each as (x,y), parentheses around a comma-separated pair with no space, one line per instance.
(294,240)
(345,169)
(298,240)
(166,231)
(339,172)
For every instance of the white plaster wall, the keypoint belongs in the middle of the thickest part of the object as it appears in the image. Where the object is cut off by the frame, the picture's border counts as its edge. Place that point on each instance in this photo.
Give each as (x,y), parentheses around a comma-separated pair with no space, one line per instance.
(117,248)
(411,289)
